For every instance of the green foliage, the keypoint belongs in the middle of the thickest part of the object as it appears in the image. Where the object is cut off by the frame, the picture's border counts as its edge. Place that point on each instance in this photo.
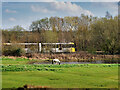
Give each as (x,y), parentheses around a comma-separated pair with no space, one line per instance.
(50,37)
(105,35)
(17,28)
(91,50)
(13,51)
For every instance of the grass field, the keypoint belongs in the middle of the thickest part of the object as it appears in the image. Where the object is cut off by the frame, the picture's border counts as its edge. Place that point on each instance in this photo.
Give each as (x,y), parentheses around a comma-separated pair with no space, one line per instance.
(61,76)
(16,72)
(18,60)
(7,60)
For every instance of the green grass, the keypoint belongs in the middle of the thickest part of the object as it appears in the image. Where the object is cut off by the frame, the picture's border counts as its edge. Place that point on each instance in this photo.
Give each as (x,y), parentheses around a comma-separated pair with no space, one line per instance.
(6,60)
(61,76)
(18,72)
(18,60)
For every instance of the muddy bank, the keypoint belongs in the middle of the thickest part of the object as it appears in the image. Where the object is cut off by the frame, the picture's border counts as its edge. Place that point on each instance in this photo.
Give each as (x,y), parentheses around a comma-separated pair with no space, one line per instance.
(81,56)
(71,57)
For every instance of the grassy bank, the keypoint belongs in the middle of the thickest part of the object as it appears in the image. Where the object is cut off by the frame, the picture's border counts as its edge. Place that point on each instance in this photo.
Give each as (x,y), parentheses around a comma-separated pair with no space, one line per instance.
(61,76)
(20,60)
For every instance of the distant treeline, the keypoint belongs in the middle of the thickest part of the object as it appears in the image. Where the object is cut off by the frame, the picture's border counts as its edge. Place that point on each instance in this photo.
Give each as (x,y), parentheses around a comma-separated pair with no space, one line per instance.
(88,33)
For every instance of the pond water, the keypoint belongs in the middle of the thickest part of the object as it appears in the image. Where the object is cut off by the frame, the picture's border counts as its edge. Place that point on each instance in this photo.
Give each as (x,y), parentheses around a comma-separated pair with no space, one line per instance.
(64,63)
(92,62)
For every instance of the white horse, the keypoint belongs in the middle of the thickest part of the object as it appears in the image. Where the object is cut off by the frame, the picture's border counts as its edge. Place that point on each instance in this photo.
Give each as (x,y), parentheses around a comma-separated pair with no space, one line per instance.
(56,61)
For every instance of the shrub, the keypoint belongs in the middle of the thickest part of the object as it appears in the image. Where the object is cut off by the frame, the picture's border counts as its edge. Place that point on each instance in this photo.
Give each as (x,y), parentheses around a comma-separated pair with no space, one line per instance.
(13,51)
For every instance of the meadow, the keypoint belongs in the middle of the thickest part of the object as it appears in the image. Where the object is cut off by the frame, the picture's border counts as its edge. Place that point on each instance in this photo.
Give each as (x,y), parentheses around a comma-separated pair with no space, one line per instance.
(16,75)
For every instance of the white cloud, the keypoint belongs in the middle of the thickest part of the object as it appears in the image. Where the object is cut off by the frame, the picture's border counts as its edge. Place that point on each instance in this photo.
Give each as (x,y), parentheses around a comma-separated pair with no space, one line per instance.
(12,19)
(67,9)
(40,9)
(10,11)
(71,9)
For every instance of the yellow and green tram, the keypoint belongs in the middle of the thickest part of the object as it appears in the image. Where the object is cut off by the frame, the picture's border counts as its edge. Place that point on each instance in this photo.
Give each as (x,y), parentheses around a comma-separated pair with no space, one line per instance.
(46,47)
(58,47)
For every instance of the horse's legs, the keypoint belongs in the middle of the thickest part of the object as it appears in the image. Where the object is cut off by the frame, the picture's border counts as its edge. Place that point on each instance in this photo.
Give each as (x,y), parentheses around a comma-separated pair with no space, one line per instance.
(52,62)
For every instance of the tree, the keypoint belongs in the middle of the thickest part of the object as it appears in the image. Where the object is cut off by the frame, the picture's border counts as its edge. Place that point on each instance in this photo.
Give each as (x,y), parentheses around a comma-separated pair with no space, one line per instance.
(105,34)
(50,37)
(108,15)
(39,25)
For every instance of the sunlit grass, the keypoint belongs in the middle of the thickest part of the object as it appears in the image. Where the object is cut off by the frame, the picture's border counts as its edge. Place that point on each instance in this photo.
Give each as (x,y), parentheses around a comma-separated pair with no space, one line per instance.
(63,76)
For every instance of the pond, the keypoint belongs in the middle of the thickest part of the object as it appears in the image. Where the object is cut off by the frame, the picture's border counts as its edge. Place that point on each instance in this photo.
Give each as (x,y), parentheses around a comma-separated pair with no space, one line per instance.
(86,62)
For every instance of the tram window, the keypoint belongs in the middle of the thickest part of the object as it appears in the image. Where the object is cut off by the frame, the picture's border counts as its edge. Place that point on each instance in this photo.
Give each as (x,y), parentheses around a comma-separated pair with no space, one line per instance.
(54,46)
(60,47)
(67,45)
(57,45)
(26,46)
(43,46)
(72,45)
(63,46)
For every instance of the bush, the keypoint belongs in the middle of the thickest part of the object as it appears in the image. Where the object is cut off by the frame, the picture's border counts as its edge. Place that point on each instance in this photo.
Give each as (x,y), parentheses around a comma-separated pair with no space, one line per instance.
(91,50)
(13,51)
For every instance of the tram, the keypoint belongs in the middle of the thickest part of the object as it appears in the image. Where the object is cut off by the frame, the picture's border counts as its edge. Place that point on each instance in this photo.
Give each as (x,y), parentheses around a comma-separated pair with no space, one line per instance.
(45,47)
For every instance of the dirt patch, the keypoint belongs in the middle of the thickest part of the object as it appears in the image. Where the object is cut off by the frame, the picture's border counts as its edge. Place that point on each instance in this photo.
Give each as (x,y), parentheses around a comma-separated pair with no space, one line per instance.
(32,87)
(11,57)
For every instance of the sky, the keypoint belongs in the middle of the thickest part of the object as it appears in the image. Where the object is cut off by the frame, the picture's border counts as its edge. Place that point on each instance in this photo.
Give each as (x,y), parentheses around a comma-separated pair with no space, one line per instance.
(23,13)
